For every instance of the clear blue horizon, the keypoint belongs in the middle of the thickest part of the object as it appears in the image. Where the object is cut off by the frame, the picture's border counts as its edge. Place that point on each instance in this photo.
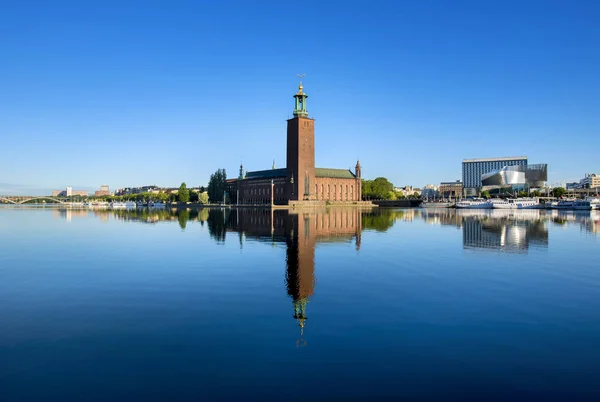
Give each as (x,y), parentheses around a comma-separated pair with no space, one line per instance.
(130,94)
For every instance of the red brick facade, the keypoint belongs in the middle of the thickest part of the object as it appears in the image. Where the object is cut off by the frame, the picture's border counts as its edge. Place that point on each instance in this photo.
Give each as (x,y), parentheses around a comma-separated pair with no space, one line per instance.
(300,180)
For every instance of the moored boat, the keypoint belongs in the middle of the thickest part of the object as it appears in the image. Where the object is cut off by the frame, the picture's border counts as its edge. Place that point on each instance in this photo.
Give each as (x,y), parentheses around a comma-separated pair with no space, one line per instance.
(152,204)
(476,203)
(594,202)
(516,203)
(563,204)
(582,205)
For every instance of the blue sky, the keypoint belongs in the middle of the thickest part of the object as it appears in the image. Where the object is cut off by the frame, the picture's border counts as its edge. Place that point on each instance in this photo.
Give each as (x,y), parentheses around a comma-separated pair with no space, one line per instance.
(135,93)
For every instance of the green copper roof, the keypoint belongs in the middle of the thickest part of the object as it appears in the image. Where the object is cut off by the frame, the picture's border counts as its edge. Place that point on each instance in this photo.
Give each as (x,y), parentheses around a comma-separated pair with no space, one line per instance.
(334,173)
(266,174)
(319,172)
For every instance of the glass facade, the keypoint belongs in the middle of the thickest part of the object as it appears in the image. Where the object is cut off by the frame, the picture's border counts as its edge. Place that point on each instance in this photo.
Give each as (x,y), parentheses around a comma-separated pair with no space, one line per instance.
(473,169)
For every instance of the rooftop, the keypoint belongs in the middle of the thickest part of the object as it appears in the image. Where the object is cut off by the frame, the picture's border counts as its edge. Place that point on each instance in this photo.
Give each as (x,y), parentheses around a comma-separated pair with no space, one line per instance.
(319,172)
(334,173)
(266,174)
(505,158)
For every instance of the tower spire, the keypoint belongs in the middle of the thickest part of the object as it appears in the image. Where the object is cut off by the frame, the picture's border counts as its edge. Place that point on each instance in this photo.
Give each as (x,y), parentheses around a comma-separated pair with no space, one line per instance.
(300,97)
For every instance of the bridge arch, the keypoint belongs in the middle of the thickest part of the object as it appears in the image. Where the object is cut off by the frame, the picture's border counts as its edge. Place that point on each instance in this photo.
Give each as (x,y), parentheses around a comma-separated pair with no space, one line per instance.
(39,198)
(7,200)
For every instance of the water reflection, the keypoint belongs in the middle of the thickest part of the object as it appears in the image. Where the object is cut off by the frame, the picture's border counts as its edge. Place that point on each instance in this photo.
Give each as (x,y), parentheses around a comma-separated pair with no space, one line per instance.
(300,232)
(502,230)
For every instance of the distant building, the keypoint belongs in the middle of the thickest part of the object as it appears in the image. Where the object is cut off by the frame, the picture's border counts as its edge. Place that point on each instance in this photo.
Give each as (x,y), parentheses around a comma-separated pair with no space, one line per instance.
(104,191)
(572,186)
(69,192)
(137,190)
(451,189)
(591,180)
(408,190)
(474,169)
(430,191)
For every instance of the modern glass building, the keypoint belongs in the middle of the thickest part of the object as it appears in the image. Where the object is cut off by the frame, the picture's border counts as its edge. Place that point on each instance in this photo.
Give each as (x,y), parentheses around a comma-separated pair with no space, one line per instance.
(474,169)
(530,176)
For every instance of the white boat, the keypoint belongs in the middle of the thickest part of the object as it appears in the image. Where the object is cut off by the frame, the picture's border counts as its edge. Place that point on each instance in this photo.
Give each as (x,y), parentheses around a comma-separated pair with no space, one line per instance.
(476,203)
(117,204)
(152,204)
(582,205)
(516,203)
(594,202)
(130,204)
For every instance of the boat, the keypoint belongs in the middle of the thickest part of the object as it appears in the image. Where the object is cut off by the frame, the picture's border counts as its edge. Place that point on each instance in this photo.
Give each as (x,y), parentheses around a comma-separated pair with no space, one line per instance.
(582,205)
(563,204)
(152,204)
(435,204)
(475,203)
(130,204)
(516,203)
(117,204)
(594,202)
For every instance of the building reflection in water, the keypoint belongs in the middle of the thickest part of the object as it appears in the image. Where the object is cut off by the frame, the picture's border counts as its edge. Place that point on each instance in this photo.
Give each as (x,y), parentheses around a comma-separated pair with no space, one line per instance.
(496,230)
(300,232)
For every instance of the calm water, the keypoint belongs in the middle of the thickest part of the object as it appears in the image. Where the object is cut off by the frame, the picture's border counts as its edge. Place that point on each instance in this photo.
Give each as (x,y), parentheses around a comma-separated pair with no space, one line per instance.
(344,305)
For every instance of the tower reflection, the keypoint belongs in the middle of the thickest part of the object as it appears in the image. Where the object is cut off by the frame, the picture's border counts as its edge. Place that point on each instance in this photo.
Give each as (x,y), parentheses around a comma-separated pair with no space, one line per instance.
(300,232)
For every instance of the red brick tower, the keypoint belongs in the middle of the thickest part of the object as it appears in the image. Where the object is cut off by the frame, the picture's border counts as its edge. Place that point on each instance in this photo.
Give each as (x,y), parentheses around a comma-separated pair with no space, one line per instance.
(300,161)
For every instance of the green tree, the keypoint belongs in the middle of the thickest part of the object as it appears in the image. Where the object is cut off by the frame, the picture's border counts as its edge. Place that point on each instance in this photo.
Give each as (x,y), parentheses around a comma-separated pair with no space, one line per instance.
(380,188)
(183,216)
(558,192)
(193,196)
(485,194)
(183,194)
(536,193)
(217,186)
(203,198)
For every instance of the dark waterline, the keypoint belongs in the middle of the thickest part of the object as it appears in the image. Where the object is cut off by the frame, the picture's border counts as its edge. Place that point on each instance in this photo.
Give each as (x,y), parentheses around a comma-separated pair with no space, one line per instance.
(337,305)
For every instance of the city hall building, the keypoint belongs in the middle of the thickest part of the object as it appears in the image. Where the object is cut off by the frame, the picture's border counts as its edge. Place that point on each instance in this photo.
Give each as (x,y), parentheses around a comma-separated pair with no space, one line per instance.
(300,182)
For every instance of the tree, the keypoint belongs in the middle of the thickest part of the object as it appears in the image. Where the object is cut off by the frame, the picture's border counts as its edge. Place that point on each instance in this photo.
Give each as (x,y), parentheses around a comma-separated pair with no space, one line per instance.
(183,193)
(536,193)
(193,196)
(183,216)
(217,186)
(378,189)
(485,194)
(558,192)
(203,198)
(416,195)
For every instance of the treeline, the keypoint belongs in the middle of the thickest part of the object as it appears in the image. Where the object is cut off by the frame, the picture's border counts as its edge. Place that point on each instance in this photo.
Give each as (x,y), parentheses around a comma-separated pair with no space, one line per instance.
(183,195)
(382,189)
